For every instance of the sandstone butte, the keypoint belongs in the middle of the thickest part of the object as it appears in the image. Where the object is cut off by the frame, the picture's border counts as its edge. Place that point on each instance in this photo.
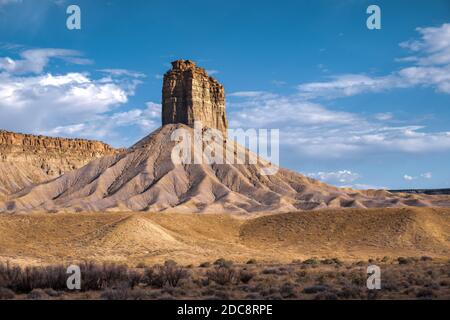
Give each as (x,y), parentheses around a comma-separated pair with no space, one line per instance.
(144,178)
(190,95)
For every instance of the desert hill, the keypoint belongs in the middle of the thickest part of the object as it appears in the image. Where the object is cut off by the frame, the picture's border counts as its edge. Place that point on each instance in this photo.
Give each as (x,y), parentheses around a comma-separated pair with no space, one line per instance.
(132,238)
(27,159)
(144,178)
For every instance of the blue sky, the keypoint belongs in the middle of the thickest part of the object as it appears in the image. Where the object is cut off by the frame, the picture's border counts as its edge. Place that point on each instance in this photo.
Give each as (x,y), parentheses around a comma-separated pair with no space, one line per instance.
(356,107)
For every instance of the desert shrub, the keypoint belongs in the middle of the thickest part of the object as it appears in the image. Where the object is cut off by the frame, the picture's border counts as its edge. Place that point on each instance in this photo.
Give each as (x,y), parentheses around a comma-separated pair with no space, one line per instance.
(274,296)
(253,296)
(141,265)
(311,262)
(444,283)
(350,292)
(245,276)
(6,294)
(169,274)
(93,277)
(426,258)
(125,293)
(101,276)
(205,265)
(223,295)
(315,289)
(173,273)
(52,293)
(25,280)
(223,263)
(326,296)
(252,261)
(403,260)
(116,294)
(358,279)
(134,278)
(269,271)
(372,294)
(153,277)
(327,261)
(425,293)
(391,286)
(288,290)
(222,275)
(268,291)
(37,294)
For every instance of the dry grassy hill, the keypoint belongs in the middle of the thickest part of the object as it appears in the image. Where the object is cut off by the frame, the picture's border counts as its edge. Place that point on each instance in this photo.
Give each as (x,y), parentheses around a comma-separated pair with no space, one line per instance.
(349,234)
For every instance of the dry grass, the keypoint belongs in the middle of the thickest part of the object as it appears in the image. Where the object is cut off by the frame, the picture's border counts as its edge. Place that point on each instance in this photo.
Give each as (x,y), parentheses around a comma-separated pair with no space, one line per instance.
(350,234)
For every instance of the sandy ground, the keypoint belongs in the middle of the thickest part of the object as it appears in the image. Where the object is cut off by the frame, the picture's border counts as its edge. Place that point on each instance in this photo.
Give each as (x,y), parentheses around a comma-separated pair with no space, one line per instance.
(348,234)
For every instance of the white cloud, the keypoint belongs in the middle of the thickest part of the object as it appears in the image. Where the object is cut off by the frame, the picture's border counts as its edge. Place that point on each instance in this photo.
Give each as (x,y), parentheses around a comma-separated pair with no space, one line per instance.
(123,72)
(314,131)
(409,178)
(384,116)
(434,46)
(338,177)
(431,68)
(346,85)
(37,103)
(107,126)
(251,94)
(265,109)
(427,175)
(31,101)
(35,60)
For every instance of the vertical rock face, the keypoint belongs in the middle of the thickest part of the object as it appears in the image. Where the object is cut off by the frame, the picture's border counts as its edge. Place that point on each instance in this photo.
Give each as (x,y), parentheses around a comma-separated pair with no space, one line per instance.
(26,159)
(190,95)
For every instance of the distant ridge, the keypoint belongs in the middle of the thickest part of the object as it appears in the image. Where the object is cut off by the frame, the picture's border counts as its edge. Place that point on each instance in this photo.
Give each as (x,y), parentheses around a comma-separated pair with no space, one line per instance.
(424,191)
(27,159)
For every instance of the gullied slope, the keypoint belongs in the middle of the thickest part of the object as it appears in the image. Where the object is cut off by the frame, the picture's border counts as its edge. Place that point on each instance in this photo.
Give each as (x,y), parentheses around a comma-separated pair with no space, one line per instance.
(28,159)
(144,178)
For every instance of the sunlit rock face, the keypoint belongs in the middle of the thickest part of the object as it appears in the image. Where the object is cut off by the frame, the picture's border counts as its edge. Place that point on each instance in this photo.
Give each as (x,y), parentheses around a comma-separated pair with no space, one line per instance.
(190,94)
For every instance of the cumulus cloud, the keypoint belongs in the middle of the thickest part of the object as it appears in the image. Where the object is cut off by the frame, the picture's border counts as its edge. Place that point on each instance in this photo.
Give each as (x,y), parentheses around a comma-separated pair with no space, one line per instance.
(431,68)
(38,102)
(35,101)
(409,178)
